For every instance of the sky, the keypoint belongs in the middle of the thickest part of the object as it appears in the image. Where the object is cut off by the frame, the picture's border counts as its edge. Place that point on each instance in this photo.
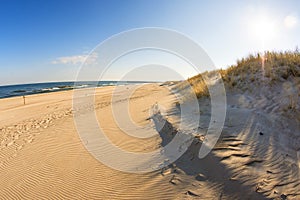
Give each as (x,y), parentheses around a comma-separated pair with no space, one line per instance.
(43,41)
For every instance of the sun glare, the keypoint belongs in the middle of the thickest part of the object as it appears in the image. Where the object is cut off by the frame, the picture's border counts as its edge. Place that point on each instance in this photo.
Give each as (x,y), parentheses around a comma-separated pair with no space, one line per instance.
(264,28)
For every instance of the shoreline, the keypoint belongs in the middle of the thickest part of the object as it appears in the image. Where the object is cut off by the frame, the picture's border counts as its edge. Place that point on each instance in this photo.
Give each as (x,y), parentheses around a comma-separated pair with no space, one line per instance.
(9,91)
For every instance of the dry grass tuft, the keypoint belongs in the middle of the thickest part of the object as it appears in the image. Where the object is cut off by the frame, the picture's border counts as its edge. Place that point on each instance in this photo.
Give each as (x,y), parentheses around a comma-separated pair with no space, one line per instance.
(270,68)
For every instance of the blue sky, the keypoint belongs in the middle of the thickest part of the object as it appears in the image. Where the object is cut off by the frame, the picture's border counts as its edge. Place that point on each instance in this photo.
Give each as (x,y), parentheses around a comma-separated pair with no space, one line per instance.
(43,41)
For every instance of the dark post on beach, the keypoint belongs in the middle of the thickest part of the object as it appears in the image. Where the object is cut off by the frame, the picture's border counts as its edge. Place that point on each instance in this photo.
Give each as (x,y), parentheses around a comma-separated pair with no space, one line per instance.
(24,100)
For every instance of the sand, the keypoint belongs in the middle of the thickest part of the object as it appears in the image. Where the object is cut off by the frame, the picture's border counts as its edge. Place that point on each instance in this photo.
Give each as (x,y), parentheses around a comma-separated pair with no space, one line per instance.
(43,157)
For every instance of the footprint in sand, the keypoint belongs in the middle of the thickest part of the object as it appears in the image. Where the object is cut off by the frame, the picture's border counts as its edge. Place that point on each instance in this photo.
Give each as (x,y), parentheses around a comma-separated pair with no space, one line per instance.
(175,180)
(28,140)
(11,143)
(192,193)
(19,147)
(201,177)
(166,171)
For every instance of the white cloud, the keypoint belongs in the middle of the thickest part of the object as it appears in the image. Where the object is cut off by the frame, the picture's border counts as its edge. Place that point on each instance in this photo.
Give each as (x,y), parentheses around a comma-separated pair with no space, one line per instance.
(76,59)
(290,21)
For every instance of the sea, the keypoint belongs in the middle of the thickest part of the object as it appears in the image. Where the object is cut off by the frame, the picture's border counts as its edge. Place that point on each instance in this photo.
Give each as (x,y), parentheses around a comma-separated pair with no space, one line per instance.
(37,88)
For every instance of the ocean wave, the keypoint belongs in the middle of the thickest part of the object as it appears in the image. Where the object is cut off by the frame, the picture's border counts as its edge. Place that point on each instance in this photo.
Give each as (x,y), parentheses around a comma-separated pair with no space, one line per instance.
(37,88)
(19,91)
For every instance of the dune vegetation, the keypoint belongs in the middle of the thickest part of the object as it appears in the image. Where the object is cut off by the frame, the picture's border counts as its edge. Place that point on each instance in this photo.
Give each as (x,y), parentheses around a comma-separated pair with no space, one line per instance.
(268,68)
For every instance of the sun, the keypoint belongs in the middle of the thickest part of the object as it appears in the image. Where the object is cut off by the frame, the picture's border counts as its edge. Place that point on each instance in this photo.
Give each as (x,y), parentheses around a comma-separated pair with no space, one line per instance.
(264,28)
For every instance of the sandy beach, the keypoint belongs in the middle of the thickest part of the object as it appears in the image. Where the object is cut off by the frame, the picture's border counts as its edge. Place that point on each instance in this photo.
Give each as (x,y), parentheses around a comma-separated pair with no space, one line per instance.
(43,157)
